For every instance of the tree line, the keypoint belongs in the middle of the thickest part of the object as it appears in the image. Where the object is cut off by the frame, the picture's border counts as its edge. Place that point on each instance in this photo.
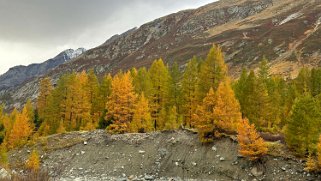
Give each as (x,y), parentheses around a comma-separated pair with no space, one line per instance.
(198,95)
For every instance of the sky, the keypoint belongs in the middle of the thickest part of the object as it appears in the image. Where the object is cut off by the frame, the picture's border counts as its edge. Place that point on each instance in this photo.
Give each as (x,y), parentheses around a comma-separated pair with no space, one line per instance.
(35,30)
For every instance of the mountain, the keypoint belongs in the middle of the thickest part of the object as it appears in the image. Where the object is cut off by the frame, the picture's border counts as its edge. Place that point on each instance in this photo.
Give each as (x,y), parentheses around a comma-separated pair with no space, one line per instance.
(20,75)
(287,32)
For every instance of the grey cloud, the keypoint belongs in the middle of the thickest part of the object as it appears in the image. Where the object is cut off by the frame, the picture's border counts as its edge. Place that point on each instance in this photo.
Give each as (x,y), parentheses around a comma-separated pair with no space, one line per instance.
(54,20)
(40,28)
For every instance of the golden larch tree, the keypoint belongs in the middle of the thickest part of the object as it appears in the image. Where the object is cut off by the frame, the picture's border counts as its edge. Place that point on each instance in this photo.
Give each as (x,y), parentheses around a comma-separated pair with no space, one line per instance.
(84,103)
(33,162)
(311,165)
(44,93)
(204,120)
(212,71)
(251,145)
(21,130)
(142,120)
(172,121)
(92,87)
(121,103)
(227,111)
(189,91)
(160,78)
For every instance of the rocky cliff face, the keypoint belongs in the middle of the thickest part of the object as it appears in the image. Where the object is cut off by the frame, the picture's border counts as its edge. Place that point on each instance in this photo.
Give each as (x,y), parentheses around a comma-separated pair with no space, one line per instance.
(287,32)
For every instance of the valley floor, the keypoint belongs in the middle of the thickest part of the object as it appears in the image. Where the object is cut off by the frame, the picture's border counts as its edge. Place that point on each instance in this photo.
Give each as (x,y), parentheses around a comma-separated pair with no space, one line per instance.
(153,156)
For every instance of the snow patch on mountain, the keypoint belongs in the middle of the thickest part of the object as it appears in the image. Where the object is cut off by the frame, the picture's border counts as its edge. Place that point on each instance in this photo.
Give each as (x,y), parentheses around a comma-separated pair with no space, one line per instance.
(291,17)
(71,53)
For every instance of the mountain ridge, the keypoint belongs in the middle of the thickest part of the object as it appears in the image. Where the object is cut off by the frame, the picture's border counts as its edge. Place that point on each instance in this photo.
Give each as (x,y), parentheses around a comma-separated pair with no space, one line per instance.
(18,74)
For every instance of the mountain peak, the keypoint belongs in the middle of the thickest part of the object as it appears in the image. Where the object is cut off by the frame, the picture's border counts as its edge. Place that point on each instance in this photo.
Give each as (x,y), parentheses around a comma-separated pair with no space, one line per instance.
(71,53)
(19,74)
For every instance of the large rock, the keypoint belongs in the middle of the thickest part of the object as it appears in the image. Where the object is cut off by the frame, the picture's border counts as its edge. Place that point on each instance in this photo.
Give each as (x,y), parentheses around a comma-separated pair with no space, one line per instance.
(256,172)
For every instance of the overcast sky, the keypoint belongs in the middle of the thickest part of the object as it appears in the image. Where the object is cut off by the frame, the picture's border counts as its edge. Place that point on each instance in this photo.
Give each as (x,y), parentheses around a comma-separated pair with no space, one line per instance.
(35,30)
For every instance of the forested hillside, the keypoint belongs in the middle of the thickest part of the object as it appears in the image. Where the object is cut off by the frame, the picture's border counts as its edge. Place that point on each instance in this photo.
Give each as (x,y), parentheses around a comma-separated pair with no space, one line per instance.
(198,96)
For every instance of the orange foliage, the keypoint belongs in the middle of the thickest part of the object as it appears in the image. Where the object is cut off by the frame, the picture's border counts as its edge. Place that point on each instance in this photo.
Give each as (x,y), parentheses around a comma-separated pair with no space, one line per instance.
(311,164)
(227,111)
(33,162)
(251,145)
(121,102)
(203,119)
(21,130)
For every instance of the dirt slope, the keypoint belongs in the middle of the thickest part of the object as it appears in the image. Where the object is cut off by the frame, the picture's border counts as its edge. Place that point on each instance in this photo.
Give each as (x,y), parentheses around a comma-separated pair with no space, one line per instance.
(155,156)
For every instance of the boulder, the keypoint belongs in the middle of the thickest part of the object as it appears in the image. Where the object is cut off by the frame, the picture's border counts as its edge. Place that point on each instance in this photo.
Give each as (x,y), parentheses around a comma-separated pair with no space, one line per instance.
(256,172)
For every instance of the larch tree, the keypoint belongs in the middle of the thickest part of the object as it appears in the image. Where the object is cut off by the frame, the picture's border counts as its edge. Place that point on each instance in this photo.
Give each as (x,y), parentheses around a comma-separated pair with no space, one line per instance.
(251,145)
(189,91)
(93,95)
(172,121)
(159,100)
(227,111)
(302,82)
(70,105)
(104,91)
(204,117)
(45,91)
(255,101)
(121,103)
(55,107)
(277,95)
(175,87)
(142,120)
(303,131)
(142,83)
(212,71)
(83,103)
(4,157)
(264,70)
(33,162)
(31,113)
(21,130)
(315,82)
(311,165)
(240,88)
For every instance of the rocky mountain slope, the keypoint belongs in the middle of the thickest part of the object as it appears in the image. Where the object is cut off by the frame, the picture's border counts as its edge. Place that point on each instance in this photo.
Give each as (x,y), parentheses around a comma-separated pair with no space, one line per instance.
(176,155)
(20,75)
(287,32)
